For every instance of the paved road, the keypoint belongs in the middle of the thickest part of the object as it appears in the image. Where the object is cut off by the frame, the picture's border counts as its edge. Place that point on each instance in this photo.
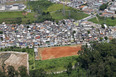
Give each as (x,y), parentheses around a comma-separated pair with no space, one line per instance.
(89,17)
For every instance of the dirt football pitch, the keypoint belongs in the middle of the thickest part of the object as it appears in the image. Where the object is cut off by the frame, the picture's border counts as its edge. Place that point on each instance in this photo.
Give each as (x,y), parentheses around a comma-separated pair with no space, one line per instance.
(57,52)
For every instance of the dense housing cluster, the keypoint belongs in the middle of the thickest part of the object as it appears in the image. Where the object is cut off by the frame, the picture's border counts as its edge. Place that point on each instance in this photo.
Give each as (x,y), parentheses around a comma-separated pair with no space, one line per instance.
(65,32)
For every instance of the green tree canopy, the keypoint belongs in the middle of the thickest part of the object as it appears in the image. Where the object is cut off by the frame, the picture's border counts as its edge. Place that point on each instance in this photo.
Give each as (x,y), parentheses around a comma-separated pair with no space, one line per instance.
(99,59)
(23,71)
(103,6)
(11,71)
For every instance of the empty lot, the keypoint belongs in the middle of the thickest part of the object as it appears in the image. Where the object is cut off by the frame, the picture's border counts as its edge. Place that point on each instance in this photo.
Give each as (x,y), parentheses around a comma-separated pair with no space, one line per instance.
(57,52)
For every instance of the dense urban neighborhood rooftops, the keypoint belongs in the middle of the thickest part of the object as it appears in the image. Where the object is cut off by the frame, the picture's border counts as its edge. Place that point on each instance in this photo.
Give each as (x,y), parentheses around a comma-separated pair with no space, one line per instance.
(48,33)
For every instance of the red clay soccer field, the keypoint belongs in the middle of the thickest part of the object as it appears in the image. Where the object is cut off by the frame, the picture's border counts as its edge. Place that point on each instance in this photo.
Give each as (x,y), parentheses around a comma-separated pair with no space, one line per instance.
(57,52)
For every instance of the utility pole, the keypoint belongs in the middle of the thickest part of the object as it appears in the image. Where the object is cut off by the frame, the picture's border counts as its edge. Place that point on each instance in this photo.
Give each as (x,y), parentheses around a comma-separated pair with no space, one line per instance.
(69,14)
(64,8)
(105,19)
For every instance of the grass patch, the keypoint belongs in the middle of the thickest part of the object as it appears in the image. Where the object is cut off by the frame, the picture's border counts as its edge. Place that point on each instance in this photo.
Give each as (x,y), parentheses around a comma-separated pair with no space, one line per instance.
(10,17)
(40,5)
(56,11)
(74,73)
(55,64)
(108,21)
(73,15)
(56,7)
(53,12)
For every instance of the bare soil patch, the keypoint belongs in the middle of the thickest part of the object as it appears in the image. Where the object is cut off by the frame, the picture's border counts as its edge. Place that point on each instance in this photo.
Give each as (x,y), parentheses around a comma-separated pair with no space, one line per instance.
(57,52)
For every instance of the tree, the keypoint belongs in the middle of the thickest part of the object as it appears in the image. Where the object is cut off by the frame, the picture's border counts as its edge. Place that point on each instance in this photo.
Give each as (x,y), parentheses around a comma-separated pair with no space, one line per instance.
(45,17)
(19,20)
(101,38)
(28,22)
(112,17)
(48,13)
(1,32)
(57,22)
(63,22)
(103,26)
(113,41)
(2,74)
(27,26)
(43,13)
(23,49)
(42,73)
(106,38)
(69,68)
(23,71)
(100,60)
(73,35)
(34,73)
(103,6)
(11,71)
(88,32)
(38,73)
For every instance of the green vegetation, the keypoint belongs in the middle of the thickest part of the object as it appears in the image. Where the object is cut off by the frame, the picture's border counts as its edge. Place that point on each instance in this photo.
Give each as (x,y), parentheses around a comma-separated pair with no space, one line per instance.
(78,72)
(103,6)
(40,5)
(58,64)
(74,14)
(54,12)
(55,7)
(100,60)
(45,16)
(11,72)
(16,17)
(1,32)
(108,21)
